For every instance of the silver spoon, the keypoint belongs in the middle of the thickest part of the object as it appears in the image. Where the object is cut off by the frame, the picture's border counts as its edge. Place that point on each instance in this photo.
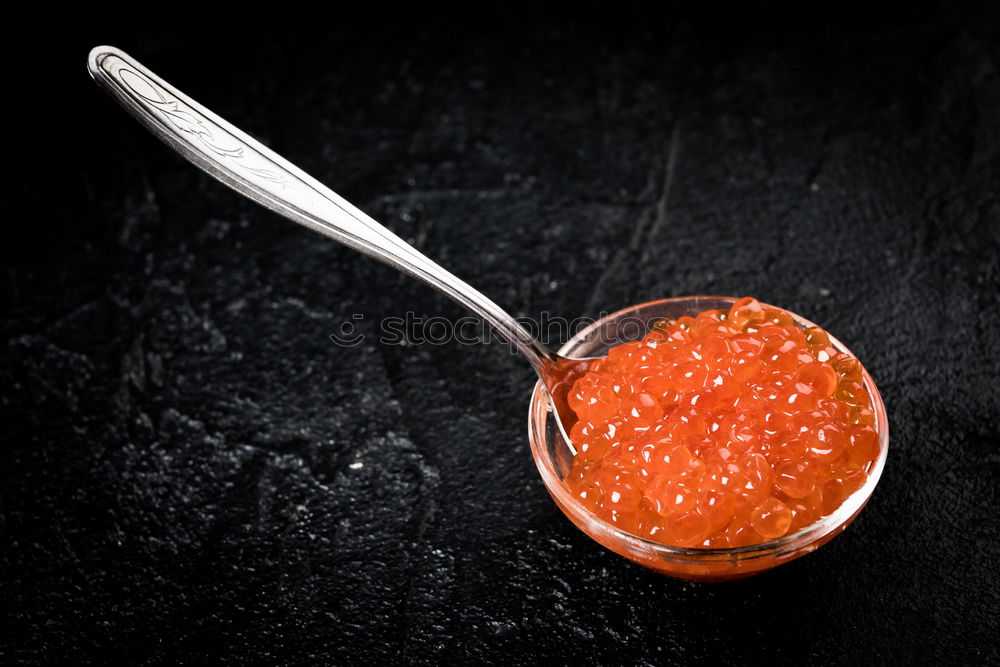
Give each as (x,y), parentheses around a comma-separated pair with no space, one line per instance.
(259,173)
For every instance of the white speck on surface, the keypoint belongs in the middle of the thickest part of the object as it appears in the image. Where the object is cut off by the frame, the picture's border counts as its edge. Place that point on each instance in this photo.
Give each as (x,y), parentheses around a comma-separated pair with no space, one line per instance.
(823,291)
(357,465)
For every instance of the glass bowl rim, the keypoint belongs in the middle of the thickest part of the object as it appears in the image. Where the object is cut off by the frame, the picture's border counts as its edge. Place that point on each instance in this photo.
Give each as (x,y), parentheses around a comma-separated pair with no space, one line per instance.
(539,414)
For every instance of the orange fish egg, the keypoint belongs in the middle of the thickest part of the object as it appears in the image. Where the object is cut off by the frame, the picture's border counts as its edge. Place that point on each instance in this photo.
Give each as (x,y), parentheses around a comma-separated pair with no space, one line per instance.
(730,428)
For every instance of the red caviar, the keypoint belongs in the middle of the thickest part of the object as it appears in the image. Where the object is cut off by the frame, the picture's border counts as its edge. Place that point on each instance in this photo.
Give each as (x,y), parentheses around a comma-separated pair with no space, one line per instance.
(723,430)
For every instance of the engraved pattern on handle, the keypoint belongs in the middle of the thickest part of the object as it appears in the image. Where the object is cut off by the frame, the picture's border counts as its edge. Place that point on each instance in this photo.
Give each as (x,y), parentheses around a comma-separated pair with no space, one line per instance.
(185,120)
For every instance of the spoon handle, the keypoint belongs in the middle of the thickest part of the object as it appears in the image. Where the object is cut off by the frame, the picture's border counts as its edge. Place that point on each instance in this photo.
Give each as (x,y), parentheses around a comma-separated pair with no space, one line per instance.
(245,165)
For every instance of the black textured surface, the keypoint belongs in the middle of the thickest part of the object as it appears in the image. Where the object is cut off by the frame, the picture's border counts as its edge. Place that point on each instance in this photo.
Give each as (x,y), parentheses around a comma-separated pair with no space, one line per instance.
(193,471)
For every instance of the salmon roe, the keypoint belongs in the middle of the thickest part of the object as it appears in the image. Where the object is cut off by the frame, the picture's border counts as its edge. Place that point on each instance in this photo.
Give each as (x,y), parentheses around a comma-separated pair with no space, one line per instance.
(723,430)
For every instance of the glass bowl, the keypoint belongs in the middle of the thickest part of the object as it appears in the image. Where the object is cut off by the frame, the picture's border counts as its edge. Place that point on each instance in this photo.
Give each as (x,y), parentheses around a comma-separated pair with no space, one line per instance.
(554,457)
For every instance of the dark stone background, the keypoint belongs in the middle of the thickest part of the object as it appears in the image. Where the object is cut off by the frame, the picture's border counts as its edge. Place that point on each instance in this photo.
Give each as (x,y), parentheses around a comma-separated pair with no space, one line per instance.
(179,431)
